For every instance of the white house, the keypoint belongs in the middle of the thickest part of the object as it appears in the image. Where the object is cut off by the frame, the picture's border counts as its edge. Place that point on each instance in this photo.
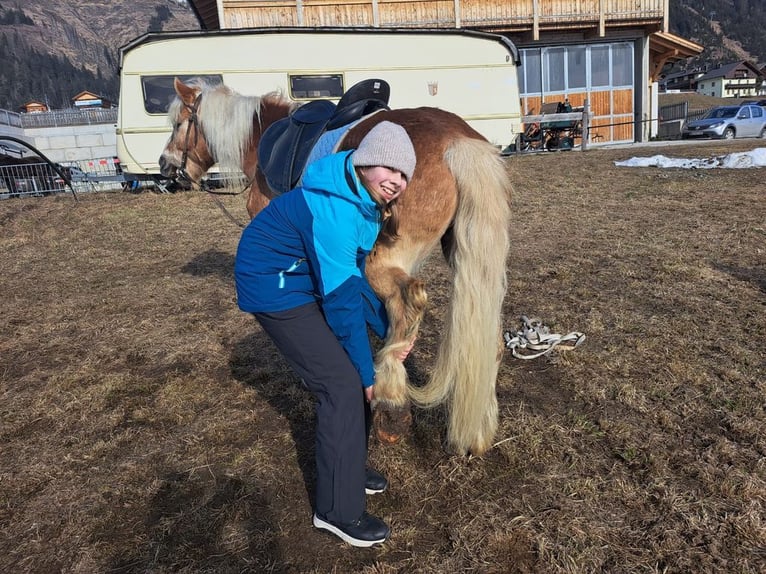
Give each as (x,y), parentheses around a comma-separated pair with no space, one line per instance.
(738,80)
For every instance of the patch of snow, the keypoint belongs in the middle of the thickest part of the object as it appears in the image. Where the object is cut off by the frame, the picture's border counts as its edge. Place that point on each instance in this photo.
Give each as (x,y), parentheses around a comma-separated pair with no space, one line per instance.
(740,160)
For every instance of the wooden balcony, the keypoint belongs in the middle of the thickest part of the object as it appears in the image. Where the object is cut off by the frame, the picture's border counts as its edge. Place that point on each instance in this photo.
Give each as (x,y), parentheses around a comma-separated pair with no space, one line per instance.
(489,15)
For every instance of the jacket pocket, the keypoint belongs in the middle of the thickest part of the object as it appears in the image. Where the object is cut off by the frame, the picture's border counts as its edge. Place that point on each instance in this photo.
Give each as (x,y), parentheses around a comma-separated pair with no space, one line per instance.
(290,269)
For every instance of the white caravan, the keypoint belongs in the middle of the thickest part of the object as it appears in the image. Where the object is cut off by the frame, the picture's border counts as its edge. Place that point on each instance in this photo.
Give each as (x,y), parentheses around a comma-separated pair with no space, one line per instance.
(472,74)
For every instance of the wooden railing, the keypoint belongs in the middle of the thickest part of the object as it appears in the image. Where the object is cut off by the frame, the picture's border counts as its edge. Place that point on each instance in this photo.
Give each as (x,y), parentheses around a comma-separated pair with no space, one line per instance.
(489,15)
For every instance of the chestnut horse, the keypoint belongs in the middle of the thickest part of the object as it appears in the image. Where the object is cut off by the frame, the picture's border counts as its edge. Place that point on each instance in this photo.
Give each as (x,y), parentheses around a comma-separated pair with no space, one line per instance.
(459,196)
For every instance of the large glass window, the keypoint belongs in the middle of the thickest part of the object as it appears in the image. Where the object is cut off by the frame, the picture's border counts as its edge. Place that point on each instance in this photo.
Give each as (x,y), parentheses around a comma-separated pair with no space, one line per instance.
(576,68)
(622,65)
(554,76)
(599,66)
(529,73)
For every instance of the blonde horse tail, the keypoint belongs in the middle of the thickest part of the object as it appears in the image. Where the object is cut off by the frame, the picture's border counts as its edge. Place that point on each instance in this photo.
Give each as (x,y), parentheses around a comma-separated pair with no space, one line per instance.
(468,359)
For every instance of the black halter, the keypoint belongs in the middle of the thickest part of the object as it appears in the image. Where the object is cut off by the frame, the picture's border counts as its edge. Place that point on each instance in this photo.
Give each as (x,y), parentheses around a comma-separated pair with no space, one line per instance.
(193,121)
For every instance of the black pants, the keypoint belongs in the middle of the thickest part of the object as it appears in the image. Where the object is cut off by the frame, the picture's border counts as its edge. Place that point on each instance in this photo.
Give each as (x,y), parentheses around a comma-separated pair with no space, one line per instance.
(343,415)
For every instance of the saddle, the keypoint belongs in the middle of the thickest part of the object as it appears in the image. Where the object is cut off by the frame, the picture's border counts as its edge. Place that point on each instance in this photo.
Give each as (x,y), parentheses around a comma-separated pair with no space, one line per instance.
(285,147)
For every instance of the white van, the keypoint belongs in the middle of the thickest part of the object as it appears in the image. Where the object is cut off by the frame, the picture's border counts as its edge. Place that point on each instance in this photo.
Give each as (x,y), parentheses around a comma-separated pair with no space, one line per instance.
(473,74)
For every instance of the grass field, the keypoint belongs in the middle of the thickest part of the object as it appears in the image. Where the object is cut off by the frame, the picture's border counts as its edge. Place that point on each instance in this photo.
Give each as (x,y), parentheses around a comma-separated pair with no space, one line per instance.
(147,425)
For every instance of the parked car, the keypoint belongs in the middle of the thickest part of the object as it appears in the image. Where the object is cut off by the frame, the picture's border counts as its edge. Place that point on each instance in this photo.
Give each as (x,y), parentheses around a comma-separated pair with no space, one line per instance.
(728,122)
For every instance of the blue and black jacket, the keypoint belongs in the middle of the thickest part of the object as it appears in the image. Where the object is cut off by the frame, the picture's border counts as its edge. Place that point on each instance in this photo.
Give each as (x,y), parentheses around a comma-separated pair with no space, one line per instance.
(310,245)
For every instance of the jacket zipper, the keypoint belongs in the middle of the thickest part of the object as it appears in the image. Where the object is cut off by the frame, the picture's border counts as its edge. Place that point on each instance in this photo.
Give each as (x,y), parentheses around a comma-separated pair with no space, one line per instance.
(292,268)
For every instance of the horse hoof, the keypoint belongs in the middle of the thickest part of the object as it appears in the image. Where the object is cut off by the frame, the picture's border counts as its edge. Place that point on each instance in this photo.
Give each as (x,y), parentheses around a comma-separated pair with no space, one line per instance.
(391,422)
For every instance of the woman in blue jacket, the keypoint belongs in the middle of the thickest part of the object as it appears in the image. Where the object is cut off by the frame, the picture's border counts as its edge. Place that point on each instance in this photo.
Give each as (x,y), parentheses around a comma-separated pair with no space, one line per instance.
(300,270)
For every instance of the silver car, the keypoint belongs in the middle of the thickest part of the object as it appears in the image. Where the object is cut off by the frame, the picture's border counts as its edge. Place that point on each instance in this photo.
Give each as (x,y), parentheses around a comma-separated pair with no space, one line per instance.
(728,122)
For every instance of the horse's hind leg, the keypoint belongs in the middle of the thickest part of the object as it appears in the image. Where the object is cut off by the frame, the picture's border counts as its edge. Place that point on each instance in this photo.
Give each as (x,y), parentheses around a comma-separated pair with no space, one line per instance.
(405,299)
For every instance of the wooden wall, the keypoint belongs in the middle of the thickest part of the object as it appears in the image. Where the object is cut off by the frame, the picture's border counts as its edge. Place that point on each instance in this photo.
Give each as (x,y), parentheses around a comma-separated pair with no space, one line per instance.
(495,15)
(612,112)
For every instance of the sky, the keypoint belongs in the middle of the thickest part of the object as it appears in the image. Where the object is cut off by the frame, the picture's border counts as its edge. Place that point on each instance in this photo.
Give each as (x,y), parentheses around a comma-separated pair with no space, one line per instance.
(741,160)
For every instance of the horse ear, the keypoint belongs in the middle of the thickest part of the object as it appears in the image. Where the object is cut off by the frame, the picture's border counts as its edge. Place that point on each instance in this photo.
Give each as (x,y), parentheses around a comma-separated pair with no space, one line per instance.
(186,93)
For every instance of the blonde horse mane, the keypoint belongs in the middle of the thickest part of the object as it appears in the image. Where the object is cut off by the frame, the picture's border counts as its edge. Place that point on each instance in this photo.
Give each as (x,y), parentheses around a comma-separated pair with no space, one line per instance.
(226,119)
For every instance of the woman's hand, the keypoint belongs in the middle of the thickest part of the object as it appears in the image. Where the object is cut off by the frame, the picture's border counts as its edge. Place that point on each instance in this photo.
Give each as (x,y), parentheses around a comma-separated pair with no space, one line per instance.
(369,392)
(406,351)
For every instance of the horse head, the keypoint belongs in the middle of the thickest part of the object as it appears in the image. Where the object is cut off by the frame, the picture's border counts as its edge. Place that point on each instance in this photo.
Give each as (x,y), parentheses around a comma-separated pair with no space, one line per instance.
(214,124)
(186,155)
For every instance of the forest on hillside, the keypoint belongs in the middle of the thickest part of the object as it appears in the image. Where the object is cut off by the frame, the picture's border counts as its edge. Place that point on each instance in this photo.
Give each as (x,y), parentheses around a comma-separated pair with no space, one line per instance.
(47,78)
(711,22)
(28,74)
(730,30)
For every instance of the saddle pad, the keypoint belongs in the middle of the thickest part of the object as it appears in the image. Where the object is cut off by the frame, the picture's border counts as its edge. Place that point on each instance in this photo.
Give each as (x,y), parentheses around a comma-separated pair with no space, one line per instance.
(329,142)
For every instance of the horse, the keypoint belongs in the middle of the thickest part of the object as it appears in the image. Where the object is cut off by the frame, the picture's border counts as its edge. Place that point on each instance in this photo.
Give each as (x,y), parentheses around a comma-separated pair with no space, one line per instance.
(459,197)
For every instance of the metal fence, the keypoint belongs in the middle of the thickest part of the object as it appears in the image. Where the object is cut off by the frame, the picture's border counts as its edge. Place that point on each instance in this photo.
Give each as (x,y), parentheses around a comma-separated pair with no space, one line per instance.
(98,174)
(73,117)
(673,117)
(29,179)
(12,119)
(26,178)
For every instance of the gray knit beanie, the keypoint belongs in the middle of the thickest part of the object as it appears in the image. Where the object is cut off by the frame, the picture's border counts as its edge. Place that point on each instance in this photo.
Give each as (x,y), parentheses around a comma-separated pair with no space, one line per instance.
(386,144)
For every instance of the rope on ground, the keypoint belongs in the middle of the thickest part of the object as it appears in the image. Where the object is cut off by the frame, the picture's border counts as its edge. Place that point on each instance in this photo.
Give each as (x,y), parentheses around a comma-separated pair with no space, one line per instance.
(534,340)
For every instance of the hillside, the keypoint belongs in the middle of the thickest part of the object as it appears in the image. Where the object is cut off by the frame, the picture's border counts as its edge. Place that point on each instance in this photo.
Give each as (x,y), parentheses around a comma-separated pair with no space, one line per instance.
(697,101)
(53,50)
(730,30)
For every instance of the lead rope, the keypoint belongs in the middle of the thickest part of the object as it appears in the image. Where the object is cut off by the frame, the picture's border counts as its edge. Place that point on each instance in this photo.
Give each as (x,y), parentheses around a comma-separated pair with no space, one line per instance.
(214,193)
(227,213)
(534,340)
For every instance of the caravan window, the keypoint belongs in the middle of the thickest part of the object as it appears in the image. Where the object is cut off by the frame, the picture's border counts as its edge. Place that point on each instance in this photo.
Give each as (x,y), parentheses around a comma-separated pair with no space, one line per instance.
(316,86)
(159,90)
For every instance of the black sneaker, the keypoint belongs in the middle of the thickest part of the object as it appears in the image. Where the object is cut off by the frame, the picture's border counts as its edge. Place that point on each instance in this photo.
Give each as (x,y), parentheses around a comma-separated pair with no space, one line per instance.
(365,532)
(374,483)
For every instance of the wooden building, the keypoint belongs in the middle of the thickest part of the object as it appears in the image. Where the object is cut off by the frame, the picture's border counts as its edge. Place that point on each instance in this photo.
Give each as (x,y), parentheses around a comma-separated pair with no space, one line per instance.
(90,100)
(683,81)
(610,52)
(34,106)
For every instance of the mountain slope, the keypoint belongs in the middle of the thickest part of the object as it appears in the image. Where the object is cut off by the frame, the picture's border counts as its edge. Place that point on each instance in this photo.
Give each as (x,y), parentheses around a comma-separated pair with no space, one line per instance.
(730,30)
(46,45)
(52,49)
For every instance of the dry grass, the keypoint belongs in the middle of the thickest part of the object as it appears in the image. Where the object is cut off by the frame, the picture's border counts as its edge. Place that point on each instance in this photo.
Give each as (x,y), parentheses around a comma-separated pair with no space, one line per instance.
(700,101)
(149,426)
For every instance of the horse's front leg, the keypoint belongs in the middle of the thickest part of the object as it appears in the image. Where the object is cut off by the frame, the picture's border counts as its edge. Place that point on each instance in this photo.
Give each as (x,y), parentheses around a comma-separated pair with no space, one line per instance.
(405,299)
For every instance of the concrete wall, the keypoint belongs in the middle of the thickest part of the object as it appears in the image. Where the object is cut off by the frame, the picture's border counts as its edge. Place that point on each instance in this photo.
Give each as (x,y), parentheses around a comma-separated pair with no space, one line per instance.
(75,143)
(10,125)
